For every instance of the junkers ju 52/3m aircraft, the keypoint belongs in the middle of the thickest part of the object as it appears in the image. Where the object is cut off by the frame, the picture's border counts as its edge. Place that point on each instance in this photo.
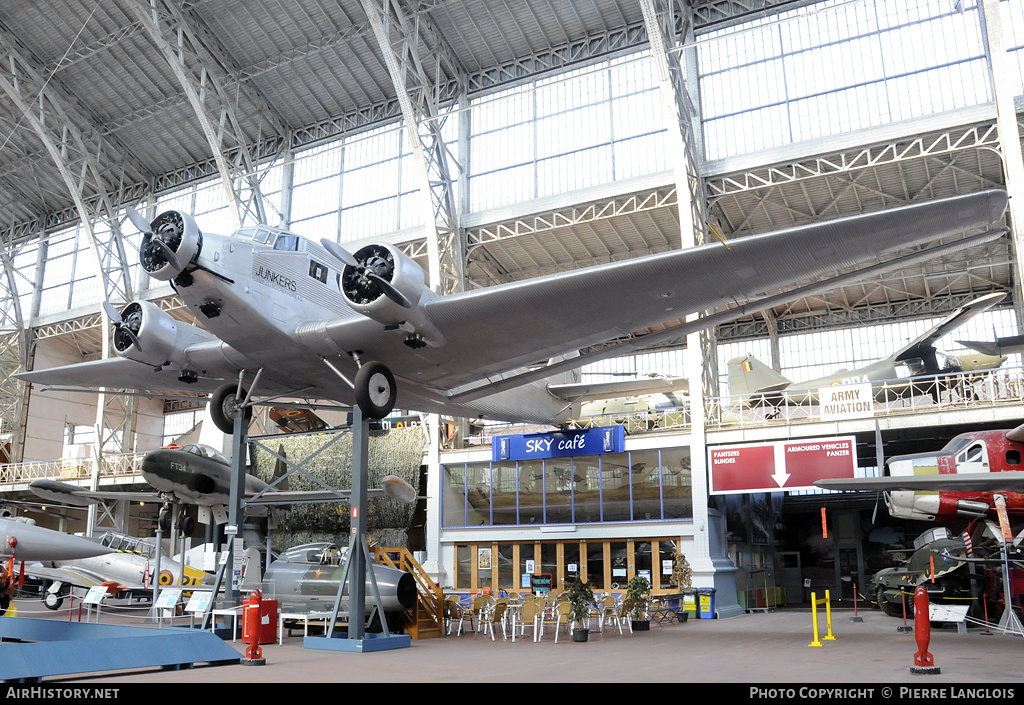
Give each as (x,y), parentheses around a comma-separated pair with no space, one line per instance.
(892,376)
(310,321)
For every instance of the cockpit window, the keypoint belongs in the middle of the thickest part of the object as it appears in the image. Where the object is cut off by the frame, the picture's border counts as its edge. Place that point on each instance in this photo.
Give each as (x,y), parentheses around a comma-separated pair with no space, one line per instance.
(288,243)
(957,444)
(974,454)
(205,452)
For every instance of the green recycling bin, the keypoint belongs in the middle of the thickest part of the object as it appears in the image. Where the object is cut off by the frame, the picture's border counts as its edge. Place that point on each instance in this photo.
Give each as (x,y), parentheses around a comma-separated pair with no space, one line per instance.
(706,603)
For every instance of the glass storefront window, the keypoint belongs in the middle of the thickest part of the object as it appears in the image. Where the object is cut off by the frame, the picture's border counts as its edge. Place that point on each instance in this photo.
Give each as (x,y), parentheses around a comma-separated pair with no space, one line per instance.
(558,486)
(464,568)
(666,558)
(676,486)
(454,495)
(595,564)
(620,565)
(484,566)
(571,563)
(504,493)
(531,492)
(549,563)
(615,487)
(587,493)
(643,559)
(640,485)
(478,495)
(645,484)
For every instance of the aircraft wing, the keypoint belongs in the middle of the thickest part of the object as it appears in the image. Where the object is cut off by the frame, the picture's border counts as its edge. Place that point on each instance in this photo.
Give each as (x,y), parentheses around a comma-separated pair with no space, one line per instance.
(949,482)
(392,486)
(119,373)
(66,493)
(590,391)
(492,330)
(77,577)
(950,323)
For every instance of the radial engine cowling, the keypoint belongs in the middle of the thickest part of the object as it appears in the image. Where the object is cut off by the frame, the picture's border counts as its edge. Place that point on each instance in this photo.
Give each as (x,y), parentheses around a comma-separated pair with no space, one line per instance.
(146,334)
(173,242)
(362,289)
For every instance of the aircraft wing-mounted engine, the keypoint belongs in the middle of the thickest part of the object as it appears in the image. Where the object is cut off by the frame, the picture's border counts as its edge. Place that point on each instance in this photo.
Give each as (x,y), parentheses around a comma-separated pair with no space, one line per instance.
(170,244)
(145,333)
(382,283)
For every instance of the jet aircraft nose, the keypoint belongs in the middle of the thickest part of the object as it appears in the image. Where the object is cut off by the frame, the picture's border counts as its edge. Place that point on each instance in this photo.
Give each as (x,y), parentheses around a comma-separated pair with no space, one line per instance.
(26,542)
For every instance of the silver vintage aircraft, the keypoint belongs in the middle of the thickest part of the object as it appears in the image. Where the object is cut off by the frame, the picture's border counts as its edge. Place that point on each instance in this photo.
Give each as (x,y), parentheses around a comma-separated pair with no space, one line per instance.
(891,377)
(292,318)
(128,571)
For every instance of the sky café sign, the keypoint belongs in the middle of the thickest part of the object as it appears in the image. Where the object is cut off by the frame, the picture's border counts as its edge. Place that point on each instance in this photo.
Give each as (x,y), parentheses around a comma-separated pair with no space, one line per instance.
(846,401)
(557,444)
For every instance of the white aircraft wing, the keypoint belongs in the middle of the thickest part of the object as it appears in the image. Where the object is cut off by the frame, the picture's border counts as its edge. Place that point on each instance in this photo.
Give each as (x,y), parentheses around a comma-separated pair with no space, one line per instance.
(949,323)
(967,482)
(120,373)
(591,391)
(77,577)
(496,329)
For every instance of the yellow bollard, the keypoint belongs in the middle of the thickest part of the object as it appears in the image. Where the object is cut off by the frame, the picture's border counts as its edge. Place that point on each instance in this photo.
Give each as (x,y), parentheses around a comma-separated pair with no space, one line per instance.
(828,617)
(814,620)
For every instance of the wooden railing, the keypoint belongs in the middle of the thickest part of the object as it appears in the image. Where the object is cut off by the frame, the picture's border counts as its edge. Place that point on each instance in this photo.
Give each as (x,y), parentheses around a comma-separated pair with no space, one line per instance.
(425,620)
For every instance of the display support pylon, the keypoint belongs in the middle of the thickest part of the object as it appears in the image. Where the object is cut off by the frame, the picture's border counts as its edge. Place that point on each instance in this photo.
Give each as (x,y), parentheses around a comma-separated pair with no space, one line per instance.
(357,566)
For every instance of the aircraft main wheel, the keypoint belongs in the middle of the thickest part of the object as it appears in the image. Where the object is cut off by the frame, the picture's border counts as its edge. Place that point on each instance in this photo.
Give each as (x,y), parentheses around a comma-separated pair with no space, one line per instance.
(224,407)
(53,600)
(375,390)
(164,520)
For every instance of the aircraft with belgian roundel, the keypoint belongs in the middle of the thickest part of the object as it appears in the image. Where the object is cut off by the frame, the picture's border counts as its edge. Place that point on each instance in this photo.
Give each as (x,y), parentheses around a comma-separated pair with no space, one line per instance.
(291,318)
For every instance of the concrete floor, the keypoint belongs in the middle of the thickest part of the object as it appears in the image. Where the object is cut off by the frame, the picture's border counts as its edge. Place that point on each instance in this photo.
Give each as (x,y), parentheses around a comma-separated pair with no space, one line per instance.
(750,649)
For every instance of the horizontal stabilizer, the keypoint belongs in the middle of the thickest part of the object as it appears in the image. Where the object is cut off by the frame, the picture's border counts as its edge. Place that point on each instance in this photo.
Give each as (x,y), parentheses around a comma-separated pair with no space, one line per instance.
(1000,346)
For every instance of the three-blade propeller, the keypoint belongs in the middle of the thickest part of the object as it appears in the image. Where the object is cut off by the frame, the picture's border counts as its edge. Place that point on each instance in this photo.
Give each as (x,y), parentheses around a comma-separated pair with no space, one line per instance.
(122,326)
(346,258)
(149,237)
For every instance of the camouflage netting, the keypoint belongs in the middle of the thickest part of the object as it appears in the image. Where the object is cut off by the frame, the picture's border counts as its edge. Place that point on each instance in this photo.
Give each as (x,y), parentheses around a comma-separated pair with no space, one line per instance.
(394,452)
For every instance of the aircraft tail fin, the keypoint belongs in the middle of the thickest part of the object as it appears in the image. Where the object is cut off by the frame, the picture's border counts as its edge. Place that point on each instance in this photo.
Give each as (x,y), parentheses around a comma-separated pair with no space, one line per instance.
(252,572)
(748,375)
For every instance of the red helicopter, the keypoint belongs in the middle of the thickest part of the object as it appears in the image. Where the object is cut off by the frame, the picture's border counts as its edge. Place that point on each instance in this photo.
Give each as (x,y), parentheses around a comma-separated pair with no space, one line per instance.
(958,482)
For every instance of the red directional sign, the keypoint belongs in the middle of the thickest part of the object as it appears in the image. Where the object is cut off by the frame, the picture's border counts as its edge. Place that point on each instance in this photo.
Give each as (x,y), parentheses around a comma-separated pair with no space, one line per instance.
(780,466)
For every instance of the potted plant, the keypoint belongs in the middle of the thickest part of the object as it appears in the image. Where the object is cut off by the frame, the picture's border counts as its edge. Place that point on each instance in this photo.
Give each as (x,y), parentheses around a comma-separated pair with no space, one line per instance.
(581,597)
(682,578)
(638,593)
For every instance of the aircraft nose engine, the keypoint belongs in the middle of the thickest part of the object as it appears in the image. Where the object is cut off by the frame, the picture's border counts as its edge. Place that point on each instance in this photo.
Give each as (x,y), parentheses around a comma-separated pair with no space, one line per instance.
(169,244)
